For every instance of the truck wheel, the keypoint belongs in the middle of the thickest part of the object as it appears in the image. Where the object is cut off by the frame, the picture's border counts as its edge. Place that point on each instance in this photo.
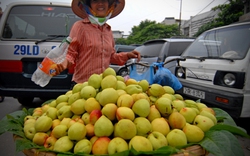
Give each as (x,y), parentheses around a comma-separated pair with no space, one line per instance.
(123,72)
(1,98)
(25,101)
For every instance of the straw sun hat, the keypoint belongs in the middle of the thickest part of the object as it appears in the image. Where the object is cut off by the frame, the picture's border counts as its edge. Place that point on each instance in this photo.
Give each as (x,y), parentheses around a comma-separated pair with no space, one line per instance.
(81,9)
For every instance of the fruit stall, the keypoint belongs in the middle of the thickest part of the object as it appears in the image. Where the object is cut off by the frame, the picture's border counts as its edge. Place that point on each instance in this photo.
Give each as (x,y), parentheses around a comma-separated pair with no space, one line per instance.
(108,115)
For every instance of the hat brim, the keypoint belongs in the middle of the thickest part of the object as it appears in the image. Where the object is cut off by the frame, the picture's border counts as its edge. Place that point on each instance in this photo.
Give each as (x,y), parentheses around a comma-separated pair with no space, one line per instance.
(79,10)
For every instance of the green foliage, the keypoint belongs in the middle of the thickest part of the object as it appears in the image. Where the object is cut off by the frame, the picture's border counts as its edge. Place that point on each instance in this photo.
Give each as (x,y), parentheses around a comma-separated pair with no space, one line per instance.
(148,30)
(229,13)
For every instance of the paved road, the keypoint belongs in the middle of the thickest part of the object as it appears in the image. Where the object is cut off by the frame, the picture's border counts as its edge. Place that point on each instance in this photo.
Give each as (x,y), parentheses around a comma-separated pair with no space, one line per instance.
(7,144)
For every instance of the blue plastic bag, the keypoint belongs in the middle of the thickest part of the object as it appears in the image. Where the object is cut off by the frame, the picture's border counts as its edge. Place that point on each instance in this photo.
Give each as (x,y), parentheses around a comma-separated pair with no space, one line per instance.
(164,77)
(147,75)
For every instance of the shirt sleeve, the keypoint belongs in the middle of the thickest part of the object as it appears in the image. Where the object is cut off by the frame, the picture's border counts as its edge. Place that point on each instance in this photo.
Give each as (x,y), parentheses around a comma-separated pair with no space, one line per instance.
(119,58)
(74,45)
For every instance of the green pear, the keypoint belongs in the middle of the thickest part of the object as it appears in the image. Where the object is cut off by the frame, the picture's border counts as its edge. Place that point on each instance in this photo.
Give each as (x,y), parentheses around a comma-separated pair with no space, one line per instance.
(179,96)
(209,115)
(63,144)
(188,113)
(77,131)
(108,71)
(203,122)
(121,92)
(52,103)
(108,95)
(117,145)
(157,139)
(144,85)
(77,88)
(60,131)
(85,118)
(58,106)
(109,81)
(201,105)
(52,113)
(95,81)
(176,137)
(74,97)
(169,90)
(141,107)
(120,78)
(169,96)
(156,90)
(43,124)
(84,146)
(164,106)
(103,127)
(62,98)
(193,133)
(125,129)
(77,107)
(29,130)
(143,126)
(120,85)
(140,143)
(133,89)
(178,104)
(87,92)
(176,120)
(153,114)
(125,100)
(64,112)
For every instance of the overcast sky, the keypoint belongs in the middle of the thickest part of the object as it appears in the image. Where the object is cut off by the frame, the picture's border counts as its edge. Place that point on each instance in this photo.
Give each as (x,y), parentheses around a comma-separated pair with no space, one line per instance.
(136,11)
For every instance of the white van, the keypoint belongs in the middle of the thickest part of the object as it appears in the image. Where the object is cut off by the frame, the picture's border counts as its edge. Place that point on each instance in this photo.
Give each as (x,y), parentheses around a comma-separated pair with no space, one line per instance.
(216,69)
(28,31)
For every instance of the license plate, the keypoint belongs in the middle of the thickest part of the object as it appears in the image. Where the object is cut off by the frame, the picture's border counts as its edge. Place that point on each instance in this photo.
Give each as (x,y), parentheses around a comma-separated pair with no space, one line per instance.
(194,92)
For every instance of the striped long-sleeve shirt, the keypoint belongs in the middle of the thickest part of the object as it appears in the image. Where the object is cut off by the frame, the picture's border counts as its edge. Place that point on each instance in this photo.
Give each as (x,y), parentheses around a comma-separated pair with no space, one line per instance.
(92,50)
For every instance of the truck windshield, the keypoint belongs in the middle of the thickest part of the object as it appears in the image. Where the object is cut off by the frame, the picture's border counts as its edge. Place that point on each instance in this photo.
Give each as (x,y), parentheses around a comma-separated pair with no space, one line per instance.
(38,22)
(231,42)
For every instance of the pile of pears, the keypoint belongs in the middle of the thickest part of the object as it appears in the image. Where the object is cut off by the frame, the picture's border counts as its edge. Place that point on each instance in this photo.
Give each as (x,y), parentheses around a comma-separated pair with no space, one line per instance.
(109,114)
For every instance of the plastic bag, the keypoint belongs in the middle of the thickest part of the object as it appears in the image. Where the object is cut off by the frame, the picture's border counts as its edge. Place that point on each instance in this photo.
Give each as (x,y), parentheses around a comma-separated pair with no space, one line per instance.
(164,77)
(147,75)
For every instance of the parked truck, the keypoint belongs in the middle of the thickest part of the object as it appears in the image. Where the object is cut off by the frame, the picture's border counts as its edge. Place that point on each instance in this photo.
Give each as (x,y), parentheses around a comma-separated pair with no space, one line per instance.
(216,69)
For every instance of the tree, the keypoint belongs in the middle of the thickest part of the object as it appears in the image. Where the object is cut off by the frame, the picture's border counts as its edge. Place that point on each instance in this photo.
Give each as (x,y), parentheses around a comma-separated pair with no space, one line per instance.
(148,30)
(229,13)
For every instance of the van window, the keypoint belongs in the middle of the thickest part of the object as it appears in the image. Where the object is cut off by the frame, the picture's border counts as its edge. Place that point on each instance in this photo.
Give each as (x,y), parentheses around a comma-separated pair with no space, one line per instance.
(230,43)
(38,22)
(152,49)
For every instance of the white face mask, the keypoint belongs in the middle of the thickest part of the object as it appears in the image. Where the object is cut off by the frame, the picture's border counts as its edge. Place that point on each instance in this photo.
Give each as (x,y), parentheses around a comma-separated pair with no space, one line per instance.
(99,20)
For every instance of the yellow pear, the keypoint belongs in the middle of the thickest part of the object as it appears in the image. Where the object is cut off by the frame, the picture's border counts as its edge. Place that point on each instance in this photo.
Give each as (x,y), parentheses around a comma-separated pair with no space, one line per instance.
(203,122)
(103,127)
(95,81)
(108,71)
(193,133)
(176,137)
(109,81)
(108,95)
(176,120)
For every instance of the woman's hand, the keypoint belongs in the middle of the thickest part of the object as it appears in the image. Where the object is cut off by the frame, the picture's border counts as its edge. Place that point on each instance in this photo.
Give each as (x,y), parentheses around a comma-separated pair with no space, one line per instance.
(134,54)
(61,67)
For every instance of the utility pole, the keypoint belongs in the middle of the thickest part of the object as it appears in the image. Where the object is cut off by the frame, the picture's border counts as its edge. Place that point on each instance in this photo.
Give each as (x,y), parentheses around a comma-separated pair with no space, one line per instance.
(180,16)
